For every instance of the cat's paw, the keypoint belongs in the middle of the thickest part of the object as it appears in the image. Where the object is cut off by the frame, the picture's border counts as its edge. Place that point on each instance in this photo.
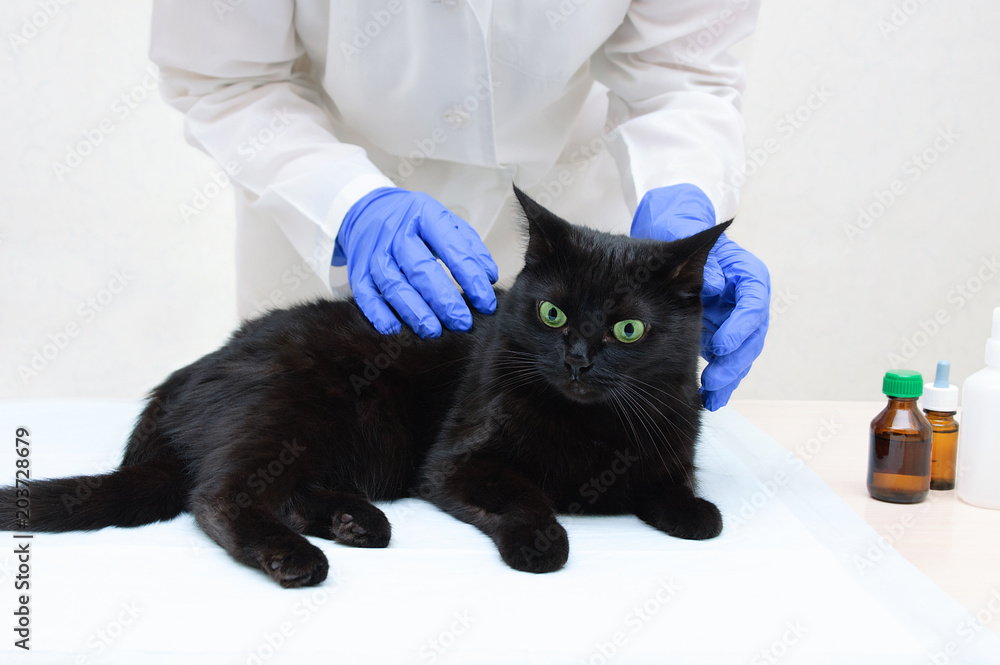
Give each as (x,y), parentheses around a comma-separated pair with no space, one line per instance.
(361,525)
(533,548)
(694,519)
(303,565)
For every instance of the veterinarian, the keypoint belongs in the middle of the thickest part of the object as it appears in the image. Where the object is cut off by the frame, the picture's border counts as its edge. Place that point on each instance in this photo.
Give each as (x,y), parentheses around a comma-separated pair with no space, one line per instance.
(365,139)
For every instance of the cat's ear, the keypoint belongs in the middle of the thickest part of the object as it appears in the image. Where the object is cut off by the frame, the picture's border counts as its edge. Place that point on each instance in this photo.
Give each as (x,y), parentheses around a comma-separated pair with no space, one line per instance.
(546,231)
(686,264)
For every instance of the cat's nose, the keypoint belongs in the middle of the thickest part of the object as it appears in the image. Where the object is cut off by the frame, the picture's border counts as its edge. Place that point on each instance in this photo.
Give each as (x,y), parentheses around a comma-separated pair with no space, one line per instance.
(577,364)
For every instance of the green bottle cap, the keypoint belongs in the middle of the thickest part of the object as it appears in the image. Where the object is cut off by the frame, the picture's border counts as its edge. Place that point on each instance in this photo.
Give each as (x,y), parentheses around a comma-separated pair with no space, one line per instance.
(902,383)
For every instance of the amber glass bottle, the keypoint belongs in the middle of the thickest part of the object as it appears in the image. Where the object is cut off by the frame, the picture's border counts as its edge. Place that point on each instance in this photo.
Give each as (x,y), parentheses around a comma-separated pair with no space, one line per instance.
(899,458)
(940,403)
(945,449)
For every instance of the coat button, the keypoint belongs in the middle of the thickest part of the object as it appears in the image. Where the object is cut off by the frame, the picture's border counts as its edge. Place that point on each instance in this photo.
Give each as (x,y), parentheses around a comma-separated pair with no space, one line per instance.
(459,211)
(451,4)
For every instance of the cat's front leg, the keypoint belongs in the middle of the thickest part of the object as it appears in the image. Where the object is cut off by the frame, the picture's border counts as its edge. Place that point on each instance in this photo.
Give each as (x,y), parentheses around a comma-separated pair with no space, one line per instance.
(674,509)
(504,504)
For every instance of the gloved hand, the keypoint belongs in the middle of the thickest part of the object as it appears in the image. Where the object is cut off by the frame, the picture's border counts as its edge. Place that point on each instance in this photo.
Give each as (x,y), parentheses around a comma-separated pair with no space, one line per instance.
(390,241)
(736,294)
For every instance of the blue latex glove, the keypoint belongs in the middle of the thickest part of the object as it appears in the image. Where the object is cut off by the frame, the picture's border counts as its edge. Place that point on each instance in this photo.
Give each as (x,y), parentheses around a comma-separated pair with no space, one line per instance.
(736,294)
(390,241)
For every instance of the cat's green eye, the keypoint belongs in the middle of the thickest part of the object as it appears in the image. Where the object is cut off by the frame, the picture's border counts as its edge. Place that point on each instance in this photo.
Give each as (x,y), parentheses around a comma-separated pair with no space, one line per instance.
(551,315)
(629,331)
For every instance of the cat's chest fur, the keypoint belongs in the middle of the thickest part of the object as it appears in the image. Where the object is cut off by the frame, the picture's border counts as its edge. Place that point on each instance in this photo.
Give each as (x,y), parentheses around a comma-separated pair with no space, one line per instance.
(588,458)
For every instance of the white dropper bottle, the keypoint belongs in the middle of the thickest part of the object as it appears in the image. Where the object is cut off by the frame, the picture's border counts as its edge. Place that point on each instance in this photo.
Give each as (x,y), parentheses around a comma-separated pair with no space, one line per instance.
(978,479)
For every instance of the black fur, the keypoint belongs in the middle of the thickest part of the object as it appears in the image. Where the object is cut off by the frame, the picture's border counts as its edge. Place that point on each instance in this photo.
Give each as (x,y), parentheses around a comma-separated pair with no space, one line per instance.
(307,415)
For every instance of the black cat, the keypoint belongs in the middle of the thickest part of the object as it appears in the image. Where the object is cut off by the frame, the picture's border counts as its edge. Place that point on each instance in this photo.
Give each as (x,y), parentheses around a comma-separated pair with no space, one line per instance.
(579,395)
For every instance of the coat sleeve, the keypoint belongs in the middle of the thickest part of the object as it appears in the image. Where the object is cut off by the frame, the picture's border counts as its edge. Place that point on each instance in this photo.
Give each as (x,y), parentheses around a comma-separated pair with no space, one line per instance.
(236,71)
(674,111)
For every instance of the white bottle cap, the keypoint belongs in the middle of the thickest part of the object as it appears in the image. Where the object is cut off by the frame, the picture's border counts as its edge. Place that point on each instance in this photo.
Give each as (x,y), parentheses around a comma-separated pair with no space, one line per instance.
(993,343)
(941,395)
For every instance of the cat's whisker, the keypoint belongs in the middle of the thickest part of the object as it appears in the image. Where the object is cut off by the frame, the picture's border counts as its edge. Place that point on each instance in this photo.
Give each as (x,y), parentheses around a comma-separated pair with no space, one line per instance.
(644,400)
(513,377)
(623,417)
(629,402)
(633,381)
(658,442)
(640,401)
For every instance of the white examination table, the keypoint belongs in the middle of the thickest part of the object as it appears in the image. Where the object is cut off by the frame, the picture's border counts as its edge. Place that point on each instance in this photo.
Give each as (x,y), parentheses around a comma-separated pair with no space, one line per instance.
(782,584)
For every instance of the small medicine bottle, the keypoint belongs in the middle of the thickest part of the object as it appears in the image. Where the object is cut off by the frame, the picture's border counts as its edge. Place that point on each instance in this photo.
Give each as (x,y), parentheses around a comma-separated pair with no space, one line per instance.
(940,402)
(899,457)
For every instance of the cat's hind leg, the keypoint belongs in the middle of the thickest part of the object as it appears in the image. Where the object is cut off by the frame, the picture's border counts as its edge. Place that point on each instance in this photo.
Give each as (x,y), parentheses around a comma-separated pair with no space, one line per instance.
(257,538)
(345,517)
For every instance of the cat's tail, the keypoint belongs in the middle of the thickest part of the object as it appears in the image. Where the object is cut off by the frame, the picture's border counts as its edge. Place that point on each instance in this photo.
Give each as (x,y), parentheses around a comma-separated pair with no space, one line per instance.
(128,496)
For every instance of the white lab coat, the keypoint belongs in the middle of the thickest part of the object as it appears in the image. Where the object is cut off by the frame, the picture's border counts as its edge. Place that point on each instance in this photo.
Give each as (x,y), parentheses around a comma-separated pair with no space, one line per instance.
(311,104)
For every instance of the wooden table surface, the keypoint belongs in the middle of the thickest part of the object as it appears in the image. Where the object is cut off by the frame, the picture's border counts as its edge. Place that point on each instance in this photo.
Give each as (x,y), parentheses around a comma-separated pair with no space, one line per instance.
(955,544)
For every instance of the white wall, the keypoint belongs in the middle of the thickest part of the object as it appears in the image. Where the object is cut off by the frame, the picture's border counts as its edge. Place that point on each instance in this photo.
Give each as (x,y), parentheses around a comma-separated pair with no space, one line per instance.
(842,305)
(62,240)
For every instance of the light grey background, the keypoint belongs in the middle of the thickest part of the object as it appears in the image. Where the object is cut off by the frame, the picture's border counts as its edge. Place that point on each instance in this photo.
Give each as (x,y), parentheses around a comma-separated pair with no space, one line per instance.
(841,98)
